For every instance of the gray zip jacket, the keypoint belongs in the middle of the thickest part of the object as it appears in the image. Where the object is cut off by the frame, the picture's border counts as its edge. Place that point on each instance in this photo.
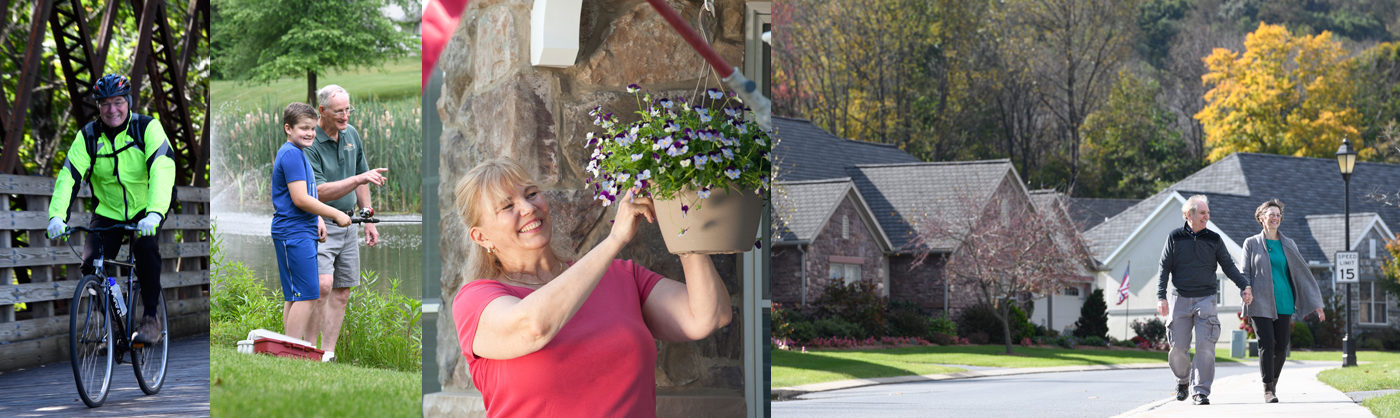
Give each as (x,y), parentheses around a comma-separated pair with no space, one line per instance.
(1306,296)
(1189,261)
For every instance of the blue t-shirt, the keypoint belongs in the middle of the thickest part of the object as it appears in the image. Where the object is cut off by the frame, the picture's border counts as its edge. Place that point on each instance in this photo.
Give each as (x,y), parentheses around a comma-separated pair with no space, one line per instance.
(289,221)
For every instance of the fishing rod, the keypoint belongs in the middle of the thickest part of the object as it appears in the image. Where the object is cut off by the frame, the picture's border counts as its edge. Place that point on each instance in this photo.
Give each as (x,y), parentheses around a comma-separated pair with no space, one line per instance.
(367,217)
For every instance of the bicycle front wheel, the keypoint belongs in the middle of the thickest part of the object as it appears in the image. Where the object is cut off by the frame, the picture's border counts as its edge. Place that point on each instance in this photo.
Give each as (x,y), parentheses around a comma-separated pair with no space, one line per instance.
(90,340)
(149,359)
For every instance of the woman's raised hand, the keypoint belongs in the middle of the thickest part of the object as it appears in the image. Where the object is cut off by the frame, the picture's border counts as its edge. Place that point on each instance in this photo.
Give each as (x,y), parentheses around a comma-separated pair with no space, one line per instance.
(631,209)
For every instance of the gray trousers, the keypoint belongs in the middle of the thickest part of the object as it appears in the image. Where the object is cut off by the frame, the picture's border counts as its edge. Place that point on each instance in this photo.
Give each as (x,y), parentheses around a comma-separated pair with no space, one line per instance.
(1193,317)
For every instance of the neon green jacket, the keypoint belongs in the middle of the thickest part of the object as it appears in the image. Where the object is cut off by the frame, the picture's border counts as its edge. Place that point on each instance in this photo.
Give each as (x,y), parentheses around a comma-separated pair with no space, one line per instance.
(136,179)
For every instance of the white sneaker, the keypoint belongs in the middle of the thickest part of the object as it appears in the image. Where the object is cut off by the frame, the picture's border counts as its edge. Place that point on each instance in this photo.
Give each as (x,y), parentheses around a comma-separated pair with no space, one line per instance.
(328,357)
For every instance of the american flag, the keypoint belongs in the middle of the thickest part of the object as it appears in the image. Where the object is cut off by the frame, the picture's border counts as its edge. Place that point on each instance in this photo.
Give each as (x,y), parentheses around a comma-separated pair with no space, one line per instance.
(1123,289)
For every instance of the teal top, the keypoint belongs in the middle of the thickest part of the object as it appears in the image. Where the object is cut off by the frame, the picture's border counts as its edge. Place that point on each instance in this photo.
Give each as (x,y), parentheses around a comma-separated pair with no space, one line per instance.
(1278,264)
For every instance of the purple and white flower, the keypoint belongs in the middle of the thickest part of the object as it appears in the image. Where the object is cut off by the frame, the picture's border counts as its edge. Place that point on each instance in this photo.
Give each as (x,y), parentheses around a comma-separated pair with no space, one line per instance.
(732,172)
(633,88)
(715,94)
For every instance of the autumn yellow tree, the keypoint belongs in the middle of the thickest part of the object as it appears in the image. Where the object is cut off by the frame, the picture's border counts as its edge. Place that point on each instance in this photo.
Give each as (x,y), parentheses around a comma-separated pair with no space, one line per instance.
(1286,94)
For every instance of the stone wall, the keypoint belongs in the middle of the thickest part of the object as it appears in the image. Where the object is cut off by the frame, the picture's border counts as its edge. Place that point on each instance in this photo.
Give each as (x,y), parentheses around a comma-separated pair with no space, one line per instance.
(494,103)
(786,284)
(828,243)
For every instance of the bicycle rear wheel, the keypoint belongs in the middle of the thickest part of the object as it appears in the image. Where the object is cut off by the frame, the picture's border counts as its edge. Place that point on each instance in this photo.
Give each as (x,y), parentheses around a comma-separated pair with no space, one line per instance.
(149,360)
(90,340)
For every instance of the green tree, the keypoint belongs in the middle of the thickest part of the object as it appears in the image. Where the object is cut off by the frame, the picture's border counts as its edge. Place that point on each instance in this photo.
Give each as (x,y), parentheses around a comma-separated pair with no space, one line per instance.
(1093,317)
(1130,149)
(1376,77)
(261,41)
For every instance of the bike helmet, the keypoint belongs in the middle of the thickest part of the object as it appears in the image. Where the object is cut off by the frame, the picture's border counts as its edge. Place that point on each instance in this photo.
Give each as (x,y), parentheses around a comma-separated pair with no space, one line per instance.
(112,85)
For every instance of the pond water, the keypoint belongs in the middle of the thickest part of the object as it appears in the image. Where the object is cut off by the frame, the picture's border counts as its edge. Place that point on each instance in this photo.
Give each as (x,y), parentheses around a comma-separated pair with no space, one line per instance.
(398,255)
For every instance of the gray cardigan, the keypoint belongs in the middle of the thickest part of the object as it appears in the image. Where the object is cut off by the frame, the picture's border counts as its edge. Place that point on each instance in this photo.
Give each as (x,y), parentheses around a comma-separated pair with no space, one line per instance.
(1306,296)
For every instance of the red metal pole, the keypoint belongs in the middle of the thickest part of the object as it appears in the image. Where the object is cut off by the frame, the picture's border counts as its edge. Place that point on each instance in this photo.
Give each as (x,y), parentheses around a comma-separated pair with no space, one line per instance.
(693,38)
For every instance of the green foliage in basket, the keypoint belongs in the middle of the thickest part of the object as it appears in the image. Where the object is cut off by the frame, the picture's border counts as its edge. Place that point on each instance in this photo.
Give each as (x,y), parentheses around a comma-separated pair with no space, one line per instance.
(705,146)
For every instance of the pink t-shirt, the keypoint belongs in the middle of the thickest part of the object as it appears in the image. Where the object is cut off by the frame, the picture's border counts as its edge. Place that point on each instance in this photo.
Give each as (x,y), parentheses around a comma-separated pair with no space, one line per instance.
(601,364)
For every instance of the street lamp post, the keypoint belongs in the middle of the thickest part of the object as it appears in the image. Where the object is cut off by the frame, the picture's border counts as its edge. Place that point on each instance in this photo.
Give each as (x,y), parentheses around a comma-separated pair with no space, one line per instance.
(1346,161)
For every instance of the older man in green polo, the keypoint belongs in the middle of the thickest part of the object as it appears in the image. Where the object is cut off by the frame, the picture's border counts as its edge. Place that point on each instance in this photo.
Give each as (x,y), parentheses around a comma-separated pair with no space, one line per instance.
(342,181)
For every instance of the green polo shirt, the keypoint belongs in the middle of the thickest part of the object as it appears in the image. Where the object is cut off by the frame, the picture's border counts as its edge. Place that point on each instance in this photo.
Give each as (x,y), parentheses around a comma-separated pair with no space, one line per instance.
(336,160)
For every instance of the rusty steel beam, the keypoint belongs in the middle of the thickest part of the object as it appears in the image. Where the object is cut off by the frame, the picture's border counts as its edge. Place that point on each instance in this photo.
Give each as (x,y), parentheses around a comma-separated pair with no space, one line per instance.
(29,74)
(194,31)
(158,53)
(104,32)
(146,14)
(75,56)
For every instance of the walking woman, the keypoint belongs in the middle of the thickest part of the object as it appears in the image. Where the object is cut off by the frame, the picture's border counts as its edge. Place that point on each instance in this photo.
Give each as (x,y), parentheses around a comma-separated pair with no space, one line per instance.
(1283,287)
(544,337)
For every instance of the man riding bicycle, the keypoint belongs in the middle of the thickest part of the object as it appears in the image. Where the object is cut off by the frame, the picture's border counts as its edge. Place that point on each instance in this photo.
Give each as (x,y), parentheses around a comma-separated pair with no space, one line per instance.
(128,161)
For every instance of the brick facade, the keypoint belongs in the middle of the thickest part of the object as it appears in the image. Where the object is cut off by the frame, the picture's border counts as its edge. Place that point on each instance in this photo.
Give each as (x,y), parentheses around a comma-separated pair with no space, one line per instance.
(859,243)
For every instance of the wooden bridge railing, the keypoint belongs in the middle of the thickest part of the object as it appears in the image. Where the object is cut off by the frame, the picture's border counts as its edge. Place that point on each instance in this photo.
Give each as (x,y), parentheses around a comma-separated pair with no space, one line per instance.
(41,274)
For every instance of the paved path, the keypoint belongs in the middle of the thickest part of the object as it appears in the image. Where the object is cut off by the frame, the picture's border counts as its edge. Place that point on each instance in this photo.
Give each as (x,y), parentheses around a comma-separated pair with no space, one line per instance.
(49,390)
(1136,392)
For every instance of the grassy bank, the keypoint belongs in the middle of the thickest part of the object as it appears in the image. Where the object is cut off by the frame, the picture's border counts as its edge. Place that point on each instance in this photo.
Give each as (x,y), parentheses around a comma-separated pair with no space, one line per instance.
(380,330)
(816,366)
(401,79)
(1380,370)
(248,133)
(243,385)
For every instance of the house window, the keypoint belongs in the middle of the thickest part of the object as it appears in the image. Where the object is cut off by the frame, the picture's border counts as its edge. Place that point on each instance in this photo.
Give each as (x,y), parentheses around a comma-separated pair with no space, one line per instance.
(1071,291)
(1373,248)
(848,273)
(1372,304)
(845,227)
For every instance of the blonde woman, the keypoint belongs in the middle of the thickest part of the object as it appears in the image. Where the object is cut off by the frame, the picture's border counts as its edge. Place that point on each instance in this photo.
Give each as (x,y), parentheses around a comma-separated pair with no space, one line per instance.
(545,337)
(1283,287)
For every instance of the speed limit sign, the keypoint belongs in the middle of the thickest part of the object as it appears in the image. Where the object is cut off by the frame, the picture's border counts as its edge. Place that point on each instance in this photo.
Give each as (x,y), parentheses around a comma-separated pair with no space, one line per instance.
(1347,262)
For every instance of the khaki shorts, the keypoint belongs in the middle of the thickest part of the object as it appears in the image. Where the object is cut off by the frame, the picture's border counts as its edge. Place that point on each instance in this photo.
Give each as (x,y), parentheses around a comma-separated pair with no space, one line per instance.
(340,255)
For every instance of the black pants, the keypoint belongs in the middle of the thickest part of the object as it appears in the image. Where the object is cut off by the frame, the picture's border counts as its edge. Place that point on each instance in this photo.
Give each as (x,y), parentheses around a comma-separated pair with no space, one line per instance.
(1274,337)
(146,249)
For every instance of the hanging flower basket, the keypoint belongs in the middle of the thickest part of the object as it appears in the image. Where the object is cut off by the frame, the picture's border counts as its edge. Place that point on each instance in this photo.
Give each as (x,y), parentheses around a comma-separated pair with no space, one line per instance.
(706,165)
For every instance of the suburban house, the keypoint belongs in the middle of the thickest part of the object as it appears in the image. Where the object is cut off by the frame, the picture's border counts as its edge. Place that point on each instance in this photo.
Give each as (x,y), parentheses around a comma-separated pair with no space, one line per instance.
(1312,192)
(849,210)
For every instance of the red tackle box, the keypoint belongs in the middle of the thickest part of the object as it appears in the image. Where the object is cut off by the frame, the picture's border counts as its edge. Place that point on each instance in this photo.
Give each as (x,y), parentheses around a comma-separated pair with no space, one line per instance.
(286,349)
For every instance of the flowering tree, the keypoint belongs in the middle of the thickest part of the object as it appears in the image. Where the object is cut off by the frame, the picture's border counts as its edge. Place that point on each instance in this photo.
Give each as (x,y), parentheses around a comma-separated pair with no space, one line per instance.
(1002,248)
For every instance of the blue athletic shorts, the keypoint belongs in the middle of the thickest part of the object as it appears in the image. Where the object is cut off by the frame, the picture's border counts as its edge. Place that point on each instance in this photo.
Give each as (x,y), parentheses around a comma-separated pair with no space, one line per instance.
(296,264)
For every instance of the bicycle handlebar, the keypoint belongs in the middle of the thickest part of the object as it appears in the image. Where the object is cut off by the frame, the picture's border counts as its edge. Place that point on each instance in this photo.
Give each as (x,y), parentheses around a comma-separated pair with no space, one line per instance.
(73,229)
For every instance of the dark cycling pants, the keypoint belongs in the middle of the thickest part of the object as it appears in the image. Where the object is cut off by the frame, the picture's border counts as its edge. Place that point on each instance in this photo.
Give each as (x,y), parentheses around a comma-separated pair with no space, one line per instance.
(146,249)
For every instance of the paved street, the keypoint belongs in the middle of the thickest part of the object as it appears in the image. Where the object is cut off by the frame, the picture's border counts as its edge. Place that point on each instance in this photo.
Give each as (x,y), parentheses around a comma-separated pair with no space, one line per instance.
(1065,394)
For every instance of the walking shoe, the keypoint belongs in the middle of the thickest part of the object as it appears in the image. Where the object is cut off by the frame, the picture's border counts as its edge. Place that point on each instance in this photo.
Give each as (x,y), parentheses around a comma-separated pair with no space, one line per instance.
(1181,392)
(328,357)
(149,332)
(1269,393)
(1200,399)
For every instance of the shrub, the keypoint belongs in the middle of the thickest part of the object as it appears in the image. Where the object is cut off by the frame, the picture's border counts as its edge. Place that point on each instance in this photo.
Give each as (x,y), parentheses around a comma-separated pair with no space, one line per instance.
(1372,344)
(1093,341)
(1026,342)
(981,318)
(1302,336)
(1093,317)
(906,320)
(977,338)
(780,324)
(941,338)
(1389,339)
(1126,343)
(856,303)
(1152,330)
(943,324)
(836,327)
(803,331)
(1328,334)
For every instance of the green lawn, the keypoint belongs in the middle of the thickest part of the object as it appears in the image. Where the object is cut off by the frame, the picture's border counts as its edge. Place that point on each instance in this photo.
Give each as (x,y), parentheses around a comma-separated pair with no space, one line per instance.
(1377,370)
(242,385)
(795,368)
(816,366)
(402,79)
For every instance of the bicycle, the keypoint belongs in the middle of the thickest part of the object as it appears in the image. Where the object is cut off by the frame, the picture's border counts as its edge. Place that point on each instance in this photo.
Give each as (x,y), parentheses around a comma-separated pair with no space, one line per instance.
(101,316)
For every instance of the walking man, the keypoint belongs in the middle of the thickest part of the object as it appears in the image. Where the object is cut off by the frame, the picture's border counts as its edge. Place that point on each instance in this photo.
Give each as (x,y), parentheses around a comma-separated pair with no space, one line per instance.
(342,181)
(1189,260)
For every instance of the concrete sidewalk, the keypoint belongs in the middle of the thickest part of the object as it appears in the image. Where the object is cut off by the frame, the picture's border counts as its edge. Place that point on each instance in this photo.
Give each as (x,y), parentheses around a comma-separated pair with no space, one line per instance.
(1300,395)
